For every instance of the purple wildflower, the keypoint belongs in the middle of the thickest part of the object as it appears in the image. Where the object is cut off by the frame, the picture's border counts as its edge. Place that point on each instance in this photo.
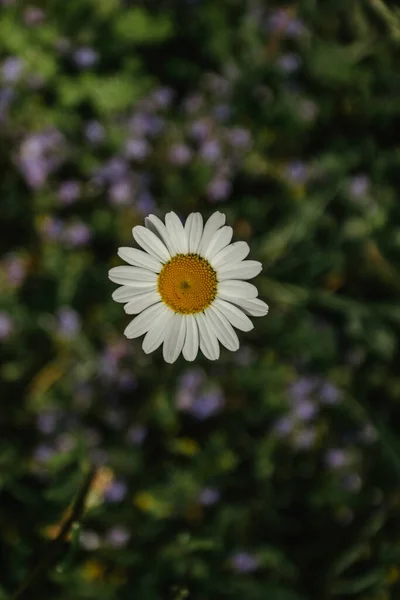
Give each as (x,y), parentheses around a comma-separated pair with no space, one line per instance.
(219,189)
(12,69)
(207,404)
(116,492)
(289,63)
(137,149)
(120,193)
(245,562)
(179,154)
(69,191)
(77,234)
(85,58)
(208,496)
(329,393)
(359,186)
(6,326)
(94,132)
(68,322)
(210,151)
(33,16)
(46,422)
(118,536)
(336,458)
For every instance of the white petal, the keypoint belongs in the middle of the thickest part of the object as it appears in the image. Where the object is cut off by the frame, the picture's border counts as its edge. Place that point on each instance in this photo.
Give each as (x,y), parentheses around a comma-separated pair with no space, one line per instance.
(142,323)
(235,316)
(158,228)
(156,334)
(208,340)
(231,289)
(176,232)
(242,270)
(131,275)
(151,243)
(219,240)
(191,346)
(213,224)
(126,292)
(233,253)
(254,307)
(194,231)
(141,302)
(174,338)
(138,258)
(223,329)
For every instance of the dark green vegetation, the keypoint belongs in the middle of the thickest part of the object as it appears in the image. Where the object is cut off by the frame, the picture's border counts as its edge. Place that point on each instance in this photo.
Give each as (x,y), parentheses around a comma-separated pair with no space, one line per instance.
(273,473)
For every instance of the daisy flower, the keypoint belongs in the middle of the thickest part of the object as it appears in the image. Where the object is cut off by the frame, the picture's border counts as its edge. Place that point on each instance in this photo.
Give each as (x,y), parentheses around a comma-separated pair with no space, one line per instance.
(186,286)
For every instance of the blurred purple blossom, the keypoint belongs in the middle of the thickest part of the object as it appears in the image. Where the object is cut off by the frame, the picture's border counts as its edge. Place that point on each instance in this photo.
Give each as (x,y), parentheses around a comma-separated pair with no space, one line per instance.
(115,492)
(15,269)
(179,154)
(77,234)
(136,434)
(200,130)
(245,562)
(239,137)
(162,97)
(46,422)
(69,191)
(305,409)
(43,453)
(301,388)
(68,322)
(40,154)
(6,326)
(297,172)
(121,192)
(51,227)
(137,149)
(222,112)
(290,62)
(33,16)
(284,425)
(282,21)
(219,189)
(12,69)
(143,124)
(118,536)
(359,185)
(145,203)
(208,496)
(192,379)
(127,381)
(206,404)
(94,132)
(85,57)
(336,458)
(112,171)
(210,151)
(329,393)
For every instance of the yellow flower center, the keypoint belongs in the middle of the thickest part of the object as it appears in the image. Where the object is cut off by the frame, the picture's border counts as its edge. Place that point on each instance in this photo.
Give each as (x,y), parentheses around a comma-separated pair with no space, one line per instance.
(187,283)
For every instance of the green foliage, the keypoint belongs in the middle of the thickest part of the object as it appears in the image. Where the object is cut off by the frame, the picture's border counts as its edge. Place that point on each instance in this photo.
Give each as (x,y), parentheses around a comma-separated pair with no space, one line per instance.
(273,473)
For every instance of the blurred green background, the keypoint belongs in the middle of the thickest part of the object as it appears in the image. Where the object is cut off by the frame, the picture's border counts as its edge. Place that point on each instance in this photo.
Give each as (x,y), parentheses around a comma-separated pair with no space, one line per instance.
(273,473)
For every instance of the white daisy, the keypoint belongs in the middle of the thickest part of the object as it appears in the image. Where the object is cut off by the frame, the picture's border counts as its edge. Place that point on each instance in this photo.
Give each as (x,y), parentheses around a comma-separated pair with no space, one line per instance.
(186,286)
